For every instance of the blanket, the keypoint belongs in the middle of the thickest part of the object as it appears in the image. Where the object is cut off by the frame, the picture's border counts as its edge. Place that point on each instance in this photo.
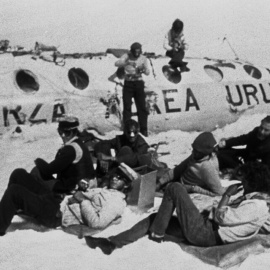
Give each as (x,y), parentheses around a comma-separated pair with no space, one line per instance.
(224,256)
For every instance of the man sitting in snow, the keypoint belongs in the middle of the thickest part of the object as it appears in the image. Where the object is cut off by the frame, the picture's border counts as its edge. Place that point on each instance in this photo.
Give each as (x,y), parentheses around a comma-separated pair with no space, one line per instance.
(130,148)
(257,144)
(244,218)
(199,173)
(37,194)
(99,207)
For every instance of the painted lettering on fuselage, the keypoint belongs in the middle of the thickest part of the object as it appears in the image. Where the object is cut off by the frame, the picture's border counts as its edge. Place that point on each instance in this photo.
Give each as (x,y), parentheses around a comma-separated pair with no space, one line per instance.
(250,92)
(21,118)
(171,96)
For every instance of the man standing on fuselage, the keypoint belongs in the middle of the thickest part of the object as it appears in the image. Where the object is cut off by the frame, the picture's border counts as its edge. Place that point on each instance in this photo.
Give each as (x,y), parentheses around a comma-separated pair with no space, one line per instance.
(134,64)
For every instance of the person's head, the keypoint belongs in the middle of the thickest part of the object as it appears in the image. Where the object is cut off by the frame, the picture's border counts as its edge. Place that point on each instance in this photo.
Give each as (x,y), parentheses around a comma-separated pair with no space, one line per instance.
(203,145)
(120,182)
(264,128)
(177,26)
(131,130)
(255,177)
(136,49)
(68,127)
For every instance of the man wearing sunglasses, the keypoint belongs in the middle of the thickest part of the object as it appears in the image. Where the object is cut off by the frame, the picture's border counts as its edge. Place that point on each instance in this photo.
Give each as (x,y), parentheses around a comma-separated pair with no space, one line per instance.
(38,194)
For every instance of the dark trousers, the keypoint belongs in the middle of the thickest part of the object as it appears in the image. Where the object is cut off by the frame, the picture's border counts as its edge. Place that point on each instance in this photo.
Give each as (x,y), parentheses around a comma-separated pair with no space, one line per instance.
(135,89)
(189,225)
(25,193)
(176,58)
(125,154)
(141,229)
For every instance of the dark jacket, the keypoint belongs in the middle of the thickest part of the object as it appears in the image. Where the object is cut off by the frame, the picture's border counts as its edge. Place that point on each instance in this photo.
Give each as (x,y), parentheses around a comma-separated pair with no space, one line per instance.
(255,148)
(71,164)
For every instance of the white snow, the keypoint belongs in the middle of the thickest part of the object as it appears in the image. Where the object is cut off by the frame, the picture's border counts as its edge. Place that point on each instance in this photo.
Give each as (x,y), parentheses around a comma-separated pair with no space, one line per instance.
(93,26)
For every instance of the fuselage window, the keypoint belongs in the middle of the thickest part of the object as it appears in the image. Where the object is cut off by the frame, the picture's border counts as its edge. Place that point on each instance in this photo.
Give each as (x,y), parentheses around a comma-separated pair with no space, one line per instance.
(253,72)
(78,78)
(214,73)
(27,81)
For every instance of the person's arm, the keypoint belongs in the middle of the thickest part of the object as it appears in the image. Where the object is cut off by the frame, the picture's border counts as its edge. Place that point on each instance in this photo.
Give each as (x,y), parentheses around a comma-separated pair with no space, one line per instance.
(123,61)
(184,44)
(179,169)
(111,205)
(144,68)
(252,212)
(62,160)
(200,190)
(167,177)
(166,43)
(240,140)
(173,175)
(210,177)
(231,190)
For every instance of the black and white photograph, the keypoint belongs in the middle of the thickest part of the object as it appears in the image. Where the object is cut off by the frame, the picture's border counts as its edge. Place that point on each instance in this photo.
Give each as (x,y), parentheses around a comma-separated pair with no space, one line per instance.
(135,134)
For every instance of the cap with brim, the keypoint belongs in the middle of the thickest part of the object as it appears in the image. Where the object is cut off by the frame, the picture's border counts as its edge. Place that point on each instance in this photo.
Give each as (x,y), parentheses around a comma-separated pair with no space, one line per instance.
(127,173)
(68,123)
(204,143)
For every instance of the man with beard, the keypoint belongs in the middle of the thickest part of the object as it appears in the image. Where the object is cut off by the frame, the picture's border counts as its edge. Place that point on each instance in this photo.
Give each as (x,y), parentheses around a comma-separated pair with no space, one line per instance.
(257,147)
(134,64)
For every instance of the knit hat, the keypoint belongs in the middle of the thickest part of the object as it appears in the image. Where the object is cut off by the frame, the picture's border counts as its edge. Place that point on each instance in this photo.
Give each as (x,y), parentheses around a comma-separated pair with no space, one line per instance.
(204,143)
(68,122)
(135,46)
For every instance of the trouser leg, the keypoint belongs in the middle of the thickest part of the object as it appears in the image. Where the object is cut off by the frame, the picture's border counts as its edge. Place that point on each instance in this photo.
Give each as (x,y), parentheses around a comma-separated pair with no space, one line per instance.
(177,58)
(139,97)
(23,178)
(127,156)
(128,92)
(196,229)
(139,230)
(42,207)
(133,234)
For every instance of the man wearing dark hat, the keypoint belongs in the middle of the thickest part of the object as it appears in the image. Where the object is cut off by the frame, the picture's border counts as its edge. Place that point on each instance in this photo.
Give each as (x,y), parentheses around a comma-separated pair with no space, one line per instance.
(135,64)
(256,147)
(200,171)
(37,193)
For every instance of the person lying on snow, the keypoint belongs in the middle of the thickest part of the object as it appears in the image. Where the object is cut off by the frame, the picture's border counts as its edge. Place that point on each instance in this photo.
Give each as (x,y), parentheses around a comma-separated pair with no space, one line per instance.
(99,207)
(130,148)
(37,194)
(227,223)
(257,147)
(200,171)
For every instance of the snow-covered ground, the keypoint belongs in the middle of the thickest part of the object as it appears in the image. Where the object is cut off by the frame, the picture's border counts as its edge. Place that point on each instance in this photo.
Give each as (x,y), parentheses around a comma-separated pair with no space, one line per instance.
(28,246)
(94,26)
